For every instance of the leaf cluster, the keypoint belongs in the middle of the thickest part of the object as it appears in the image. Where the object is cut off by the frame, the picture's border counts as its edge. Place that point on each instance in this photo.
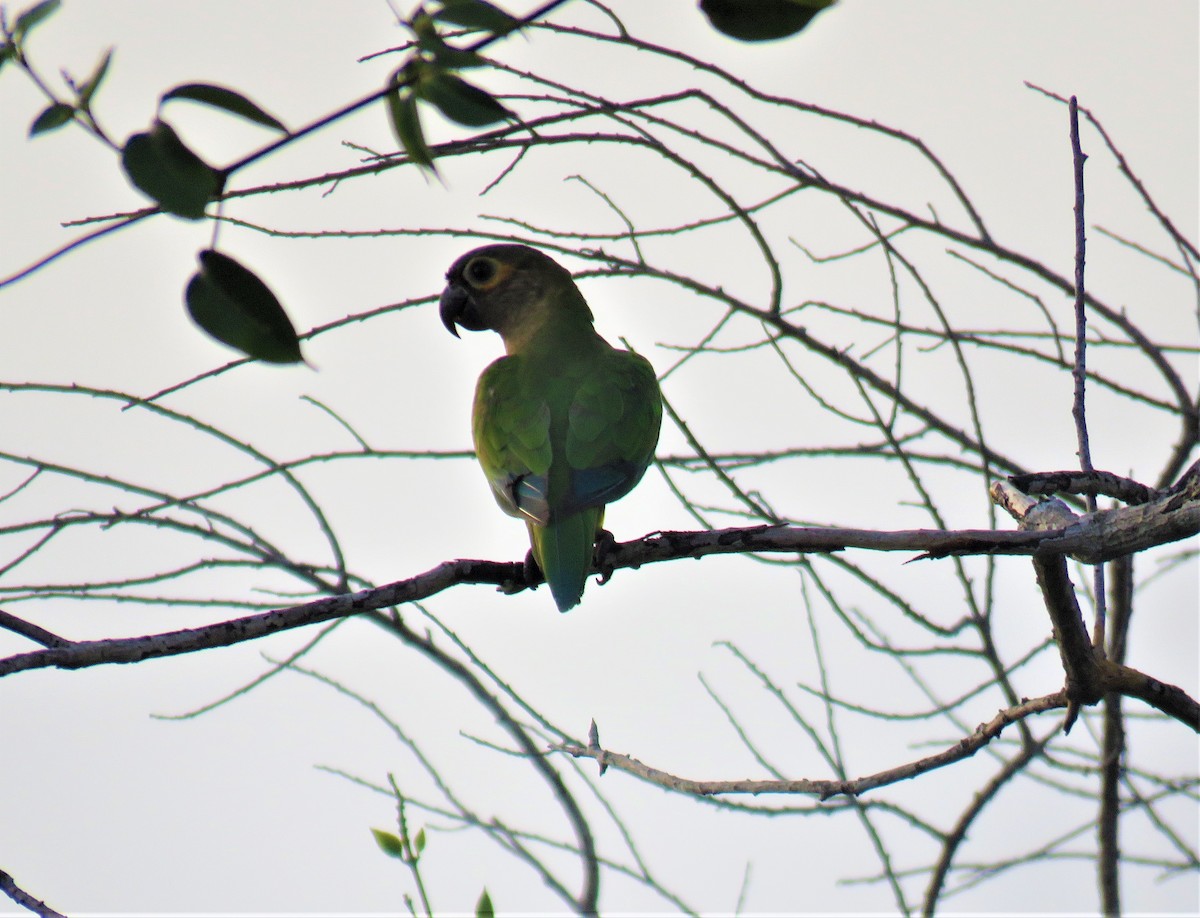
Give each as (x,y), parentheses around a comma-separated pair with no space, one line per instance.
(225,298)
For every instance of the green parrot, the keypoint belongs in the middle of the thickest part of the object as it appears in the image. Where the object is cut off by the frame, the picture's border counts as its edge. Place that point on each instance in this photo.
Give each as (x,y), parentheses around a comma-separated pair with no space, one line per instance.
(565,423)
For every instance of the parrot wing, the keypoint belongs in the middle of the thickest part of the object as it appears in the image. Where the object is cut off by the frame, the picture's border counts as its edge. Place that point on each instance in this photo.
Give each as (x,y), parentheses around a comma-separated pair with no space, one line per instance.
(612,430)
(511,428)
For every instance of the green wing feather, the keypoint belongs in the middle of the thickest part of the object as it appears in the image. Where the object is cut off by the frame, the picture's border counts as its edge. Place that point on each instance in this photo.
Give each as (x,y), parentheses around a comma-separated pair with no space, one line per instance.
(511,429)
(612,429)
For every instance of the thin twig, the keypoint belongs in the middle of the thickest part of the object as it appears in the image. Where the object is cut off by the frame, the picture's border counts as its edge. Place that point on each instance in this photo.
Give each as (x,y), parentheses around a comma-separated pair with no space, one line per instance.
(821,788)
(982,797)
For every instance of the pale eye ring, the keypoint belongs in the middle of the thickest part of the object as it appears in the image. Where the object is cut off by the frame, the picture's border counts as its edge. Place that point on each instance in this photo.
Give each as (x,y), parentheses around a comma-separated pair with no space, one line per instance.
(480,271)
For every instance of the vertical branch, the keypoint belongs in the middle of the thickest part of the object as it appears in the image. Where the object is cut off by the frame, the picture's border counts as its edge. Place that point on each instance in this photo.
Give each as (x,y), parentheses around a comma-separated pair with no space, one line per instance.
(1078,158)
(957,835)
(1114,727)
(1078,407)
(411,850)
(1113,743)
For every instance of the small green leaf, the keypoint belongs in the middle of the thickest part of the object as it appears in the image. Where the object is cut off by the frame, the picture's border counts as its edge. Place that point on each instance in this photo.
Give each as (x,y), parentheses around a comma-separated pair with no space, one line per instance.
(229,302)
(460,101)
(406,122)
(7,53)
(92,83)
(160,165)
(478,15)
(483,908)
(419,842)
(227,100)
(51,118)
(761,20)
(389,843)
(31,17)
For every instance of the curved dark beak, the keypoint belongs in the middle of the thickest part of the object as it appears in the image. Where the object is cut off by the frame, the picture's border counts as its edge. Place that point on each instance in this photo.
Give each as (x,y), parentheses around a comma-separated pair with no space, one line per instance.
(458,310)
(452,305)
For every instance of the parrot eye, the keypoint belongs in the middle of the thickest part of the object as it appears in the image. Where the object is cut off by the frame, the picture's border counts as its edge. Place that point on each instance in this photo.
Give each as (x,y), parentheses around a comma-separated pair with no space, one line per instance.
(480,271)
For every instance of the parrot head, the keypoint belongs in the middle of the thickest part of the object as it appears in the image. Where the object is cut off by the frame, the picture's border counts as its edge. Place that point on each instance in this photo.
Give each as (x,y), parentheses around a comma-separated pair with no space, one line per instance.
(510,289)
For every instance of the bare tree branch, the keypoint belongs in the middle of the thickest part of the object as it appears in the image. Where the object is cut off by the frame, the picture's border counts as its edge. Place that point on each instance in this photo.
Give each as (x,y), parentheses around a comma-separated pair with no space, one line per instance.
(821,788)
(1106,533)
(1112,760)
(984,796)
(9,887)
(1174,515)
(943,635)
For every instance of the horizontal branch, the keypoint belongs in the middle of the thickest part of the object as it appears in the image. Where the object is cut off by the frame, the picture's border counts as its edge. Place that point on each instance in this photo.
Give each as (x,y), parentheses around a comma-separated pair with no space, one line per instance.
(1086,538)
(1105,535)
(821,788)
(1092,539)
(66,654)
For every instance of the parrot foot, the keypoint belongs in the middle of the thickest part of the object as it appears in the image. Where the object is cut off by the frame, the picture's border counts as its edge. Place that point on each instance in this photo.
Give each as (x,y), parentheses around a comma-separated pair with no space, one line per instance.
(532,573)
(602,553)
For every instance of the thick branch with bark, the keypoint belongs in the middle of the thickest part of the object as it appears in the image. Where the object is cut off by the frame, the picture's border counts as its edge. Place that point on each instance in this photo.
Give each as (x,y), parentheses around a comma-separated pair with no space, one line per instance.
(1090,675)
(1086,680)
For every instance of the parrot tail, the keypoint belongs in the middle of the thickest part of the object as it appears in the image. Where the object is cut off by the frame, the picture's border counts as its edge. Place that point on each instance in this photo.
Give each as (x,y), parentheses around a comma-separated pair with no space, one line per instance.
(563,550)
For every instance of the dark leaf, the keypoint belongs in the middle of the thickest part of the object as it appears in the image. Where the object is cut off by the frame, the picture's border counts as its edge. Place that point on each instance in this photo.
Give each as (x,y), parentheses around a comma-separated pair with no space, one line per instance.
(431,43)
(31,17)
(477,14)
(227,100)
(460,101)
(483,908)
(160,165)
(761,20)
(229,302)
(51,118)
(388,843)
(7,53)
(89,87)
(406,122)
